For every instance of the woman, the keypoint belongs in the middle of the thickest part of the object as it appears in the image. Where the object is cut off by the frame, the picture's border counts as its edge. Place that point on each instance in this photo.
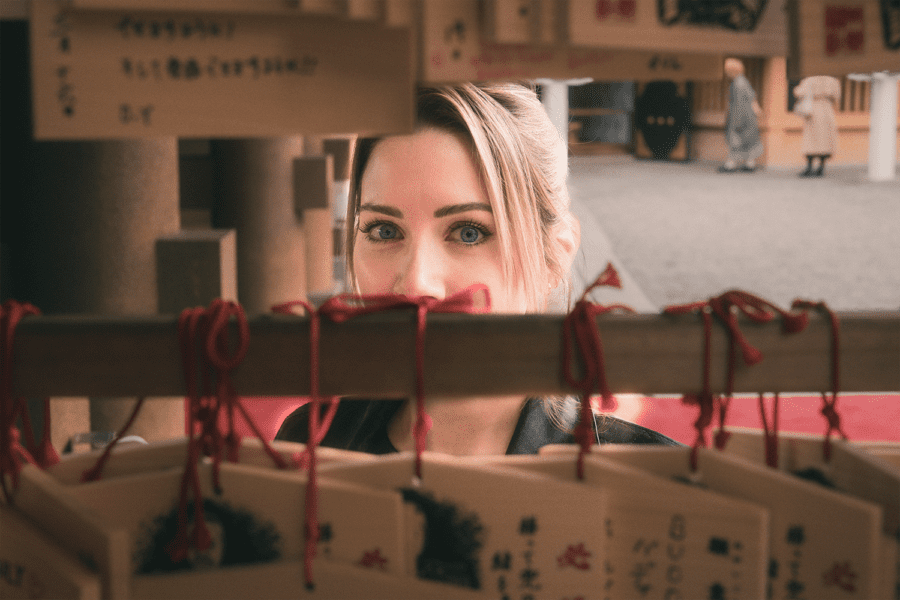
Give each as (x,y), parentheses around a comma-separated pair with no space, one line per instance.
(819,125)
(477,194)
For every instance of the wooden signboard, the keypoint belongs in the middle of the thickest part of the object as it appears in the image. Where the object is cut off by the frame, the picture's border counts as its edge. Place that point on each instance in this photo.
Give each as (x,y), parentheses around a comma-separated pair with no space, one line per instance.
(454,50)
(128,74)
(741,27)
(839,37)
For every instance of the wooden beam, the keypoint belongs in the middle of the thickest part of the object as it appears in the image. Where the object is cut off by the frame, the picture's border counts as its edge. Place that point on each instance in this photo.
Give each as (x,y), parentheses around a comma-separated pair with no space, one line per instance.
(373,355)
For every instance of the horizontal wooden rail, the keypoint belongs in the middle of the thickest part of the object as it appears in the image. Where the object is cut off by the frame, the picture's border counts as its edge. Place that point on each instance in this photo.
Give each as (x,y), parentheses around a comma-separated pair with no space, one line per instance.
(373,355)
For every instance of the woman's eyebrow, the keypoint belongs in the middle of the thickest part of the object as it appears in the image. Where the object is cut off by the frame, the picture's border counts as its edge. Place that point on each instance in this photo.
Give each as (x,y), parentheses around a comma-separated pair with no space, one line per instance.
(383,209)
(458,208)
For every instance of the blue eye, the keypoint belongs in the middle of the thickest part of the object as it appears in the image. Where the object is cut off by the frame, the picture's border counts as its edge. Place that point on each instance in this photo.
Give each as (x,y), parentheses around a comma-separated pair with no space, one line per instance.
(386,231)
(469,235)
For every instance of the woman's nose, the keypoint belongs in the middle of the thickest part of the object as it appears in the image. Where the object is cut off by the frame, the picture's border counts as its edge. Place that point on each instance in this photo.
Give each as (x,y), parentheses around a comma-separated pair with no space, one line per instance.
(422,273)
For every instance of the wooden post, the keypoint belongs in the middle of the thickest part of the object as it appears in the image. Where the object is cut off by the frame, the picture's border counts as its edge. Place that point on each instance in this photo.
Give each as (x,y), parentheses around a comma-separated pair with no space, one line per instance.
(95,215)
(255,197)
(313,180)
(194,268)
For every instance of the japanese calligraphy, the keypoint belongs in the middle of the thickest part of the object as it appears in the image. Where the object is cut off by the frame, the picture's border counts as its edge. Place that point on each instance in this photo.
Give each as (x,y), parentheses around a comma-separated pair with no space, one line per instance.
(796,536)
(65,90)
(529,575)
(131,27)
(373,560)
(191,68)
(844,30)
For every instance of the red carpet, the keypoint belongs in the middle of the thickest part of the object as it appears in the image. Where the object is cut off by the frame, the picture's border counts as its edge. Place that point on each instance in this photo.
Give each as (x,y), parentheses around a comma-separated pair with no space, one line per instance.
(863,416)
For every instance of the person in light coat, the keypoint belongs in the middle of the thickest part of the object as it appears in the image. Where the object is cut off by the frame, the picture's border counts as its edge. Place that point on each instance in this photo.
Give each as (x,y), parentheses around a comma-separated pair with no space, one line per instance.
(817,98)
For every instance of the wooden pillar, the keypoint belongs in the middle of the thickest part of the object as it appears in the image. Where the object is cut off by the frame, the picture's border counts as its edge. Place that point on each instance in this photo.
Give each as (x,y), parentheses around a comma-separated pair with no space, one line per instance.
(94,213)
(775,116)
(313,181)
(255,196)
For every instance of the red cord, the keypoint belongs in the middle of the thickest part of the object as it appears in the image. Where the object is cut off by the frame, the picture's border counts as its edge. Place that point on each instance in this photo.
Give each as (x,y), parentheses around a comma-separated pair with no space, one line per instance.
(581,323)
(725,307)
(342,308)
(204,336)
(12,453)
(703,400)
(315,435)
(829,404)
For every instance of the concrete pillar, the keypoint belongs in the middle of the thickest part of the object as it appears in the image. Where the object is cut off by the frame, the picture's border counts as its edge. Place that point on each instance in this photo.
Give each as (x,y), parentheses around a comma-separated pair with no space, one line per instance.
(342,150)
(555,97)
(94,214)
(883,127)
(255,196)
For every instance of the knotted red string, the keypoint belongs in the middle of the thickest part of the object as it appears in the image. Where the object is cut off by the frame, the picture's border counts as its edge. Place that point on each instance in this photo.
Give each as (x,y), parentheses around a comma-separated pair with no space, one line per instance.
(12,453)
(829,404)
(342,308)
(726,307)
(204,340)
(770,435)
(581,324)
(703,400)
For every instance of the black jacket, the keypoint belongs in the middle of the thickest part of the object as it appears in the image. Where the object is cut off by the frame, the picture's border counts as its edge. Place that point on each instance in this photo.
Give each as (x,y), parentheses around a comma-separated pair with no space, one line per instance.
(361,425)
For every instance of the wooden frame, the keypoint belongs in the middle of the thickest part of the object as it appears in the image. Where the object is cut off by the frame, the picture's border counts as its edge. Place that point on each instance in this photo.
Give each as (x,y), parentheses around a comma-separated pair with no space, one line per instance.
(373,355)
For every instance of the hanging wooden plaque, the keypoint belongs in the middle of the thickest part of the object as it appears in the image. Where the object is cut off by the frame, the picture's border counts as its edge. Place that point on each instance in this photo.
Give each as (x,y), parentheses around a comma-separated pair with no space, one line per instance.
(129,74)
(741,27)
(454,50)
(839,37)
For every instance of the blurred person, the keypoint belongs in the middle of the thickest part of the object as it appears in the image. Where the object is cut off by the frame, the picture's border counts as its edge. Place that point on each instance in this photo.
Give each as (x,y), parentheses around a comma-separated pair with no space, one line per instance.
(817,98)
(741,122)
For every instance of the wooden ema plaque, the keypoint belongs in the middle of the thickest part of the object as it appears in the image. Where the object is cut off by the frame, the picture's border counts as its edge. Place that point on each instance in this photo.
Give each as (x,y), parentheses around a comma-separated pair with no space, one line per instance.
(839,37)
(454,49)
(740,27)
(101,74)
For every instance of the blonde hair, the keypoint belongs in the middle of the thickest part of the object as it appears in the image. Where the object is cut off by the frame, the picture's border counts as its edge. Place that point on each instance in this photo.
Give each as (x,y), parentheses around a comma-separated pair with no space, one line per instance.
(523,163)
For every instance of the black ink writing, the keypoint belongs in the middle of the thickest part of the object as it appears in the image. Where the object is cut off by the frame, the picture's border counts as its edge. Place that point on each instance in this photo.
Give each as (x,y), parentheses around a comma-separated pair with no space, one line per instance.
(191,68)
(129,114)
(132,27)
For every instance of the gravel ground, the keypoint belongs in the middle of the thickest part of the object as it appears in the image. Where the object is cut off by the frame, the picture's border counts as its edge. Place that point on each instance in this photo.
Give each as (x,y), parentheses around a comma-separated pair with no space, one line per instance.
(684,232)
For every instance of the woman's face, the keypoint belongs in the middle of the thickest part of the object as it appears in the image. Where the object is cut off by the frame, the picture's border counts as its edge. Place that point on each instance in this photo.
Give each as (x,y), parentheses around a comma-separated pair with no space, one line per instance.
(426,226)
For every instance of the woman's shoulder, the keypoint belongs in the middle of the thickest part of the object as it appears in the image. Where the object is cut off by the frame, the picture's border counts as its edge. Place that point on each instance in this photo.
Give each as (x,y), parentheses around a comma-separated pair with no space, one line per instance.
(541,425)
(356,423)
(613,430)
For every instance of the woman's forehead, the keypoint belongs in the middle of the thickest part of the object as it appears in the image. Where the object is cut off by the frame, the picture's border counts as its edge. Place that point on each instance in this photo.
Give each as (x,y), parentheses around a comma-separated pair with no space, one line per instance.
(428,164)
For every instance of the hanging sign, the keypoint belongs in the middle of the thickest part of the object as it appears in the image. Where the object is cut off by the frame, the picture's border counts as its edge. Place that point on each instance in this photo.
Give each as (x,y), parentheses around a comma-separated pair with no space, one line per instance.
(839,37)
(746,28)
(454,50)
(131,74)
